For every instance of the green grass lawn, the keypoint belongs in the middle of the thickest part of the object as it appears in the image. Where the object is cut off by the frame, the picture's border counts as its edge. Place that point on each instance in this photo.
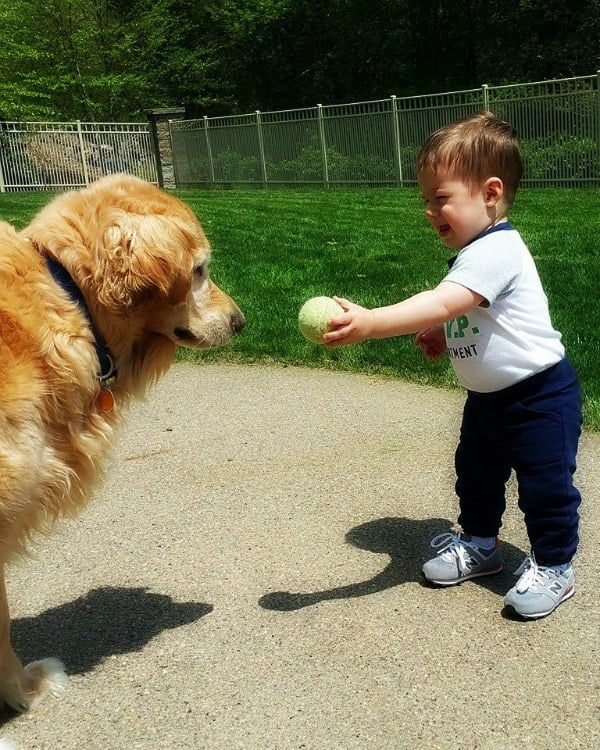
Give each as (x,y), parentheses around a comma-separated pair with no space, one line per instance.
(274,249)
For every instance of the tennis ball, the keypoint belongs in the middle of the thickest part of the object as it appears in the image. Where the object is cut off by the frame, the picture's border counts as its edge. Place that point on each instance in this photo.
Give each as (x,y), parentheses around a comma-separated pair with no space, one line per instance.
(313,317)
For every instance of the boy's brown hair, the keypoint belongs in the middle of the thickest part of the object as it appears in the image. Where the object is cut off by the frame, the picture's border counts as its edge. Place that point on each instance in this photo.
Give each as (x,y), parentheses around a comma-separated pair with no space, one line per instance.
(475,148)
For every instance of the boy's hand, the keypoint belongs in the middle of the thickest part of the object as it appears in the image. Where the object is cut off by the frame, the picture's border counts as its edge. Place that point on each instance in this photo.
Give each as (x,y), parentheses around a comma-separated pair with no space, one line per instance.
(432,341)
(350,327)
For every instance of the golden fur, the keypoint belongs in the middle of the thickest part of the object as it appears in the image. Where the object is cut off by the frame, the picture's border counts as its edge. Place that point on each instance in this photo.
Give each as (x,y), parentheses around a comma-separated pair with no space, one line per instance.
(140,258)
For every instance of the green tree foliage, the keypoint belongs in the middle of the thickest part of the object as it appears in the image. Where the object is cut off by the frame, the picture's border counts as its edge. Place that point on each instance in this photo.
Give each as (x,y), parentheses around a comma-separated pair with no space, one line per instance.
(66,59)
(343,50)
(113,59)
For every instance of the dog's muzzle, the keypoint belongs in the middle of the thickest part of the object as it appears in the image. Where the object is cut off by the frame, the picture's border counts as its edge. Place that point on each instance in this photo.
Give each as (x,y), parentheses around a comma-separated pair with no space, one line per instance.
(236,322)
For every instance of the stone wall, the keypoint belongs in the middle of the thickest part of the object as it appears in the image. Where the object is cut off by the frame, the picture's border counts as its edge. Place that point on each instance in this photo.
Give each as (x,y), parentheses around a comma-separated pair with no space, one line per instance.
(161,141)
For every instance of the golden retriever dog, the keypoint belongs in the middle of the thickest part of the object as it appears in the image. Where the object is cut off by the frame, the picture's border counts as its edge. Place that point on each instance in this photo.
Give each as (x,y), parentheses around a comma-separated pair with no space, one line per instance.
(95,296)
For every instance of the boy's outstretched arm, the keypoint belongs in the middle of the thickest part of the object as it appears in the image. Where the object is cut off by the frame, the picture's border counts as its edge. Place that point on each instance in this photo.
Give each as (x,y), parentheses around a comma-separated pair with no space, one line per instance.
(424,310)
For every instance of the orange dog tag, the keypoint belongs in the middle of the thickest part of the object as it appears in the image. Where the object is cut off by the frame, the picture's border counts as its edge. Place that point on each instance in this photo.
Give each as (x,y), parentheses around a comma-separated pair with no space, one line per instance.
(105,400)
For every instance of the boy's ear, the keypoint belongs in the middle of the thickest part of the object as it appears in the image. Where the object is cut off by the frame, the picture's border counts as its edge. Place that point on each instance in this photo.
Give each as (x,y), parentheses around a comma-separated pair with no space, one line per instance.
(493,191)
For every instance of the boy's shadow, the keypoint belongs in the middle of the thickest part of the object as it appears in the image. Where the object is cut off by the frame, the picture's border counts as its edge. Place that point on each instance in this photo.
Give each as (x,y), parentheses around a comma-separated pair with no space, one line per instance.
(406,541)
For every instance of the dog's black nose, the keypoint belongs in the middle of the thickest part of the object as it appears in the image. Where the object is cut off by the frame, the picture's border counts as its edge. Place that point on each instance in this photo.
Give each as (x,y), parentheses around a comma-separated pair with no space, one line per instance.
(238,321)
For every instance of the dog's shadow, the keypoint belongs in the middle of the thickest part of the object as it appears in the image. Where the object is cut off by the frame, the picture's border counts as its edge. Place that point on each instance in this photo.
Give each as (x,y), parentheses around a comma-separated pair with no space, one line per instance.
(406,541)
(105,622)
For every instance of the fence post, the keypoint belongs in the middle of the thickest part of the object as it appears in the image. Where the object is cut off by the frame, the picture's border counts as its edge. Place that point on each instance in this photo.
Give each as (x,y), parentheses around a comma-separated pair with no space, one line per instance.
(396,137)
(598,109)
(86,175)
(486,97)
(175,174)
(323,146)
(261,149)
(2,183)
(209,151)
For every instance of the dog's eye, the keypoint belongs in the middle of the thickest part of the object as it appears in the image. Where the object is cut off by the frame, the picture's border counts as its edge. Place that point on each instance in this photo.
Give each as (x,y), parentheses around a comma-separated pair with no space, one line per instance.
(199,270)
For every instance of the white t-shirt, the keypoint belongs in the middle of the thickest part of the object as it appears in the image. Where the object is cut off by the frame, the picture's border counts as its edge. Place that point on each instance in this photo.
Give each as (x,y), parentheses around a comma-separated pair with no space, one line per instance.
(511,337)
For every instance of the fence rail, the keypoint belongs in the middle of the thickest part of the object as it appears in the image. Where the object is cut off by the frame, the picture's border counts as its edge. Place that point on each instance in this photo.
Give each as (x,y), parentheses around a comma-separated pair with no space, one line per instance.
(48,155)
(363,143)
(376,142)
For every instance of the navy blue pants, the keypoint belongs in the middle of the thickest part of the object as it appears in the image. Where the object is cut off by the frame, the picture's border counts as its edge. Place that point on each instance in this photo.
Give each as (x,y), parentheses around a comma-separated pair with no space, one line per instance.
(532,427)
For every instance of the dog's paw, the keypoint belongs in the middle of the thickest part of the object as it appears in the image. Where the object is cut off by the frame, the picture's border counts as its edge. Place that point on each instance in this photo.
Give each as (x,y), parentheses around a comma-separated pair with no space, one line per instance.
(22,689)
(7,744)
(45,677)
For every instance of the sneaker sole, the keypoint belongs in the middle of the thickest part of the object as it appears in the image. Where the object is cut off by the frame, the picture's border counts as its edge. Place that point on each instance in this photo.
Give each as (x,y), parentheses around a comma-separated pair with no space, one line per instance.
(539,615)
(469,577)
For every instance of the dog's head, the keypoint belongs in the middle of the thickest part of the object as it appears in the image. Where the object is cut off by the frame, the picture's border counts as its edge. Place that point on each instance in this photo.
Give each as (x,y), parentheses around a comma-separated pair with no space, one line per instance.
(141,259)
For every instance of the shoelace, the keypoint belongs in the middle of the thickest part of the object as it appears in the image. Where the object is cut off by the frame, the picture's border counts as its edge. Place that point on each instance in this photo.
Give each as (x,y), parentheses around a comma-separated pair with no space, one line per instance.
(452,547)
(532,575)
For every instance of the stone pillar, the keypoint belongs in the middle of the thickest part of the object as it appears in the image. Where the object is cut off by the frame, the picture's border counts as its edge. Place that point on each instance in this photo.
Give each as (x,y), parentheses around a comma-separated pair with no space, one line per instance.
(161,141)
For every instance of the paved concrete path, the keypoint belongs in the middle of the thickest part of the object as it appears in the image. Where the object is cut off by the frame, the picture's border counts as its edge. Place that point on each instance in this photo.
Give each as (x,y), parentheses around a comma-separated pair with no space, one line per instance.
(249,577)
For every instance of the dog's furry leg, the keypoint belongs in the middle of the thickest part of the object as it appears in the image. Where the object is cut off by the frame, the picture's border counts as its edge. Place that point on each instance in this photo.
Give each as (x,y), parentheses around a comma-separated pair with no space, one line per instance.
(12,674)
(21,687)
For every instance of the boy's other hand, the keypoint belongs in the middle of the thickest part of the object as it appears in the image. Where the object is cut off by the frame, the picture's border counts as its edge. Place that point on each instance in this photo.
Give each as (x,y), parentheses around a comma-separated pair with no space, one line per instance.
(432,342)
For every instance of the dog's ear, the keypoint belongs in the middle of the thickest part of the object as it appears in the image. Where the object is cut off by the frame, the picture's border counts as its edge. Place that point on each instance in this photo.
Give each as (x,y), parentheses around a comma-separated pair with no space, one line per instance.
(140,256)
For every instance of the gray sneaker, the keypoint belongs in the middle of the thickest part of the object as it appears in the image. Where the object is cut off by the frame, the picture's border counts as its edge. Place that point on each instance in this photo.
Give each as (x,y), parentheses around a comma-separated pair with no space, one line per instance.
(457,560)
(540,589)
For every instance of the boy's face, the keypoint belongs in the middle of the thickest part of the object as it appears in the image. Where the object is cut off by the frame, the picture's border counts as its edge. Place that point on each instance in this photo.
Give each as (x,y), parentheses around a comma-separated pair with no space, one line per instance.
(456,210)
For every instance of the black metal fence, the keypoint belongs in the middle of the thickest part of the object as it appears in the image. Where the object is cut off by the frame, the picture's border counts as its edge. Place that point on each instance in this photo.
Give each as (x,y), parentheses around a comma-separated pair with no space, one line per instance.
(376,142)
